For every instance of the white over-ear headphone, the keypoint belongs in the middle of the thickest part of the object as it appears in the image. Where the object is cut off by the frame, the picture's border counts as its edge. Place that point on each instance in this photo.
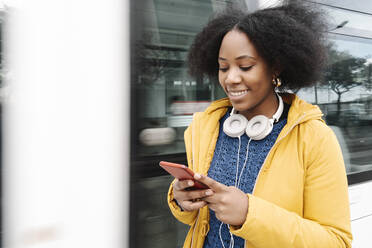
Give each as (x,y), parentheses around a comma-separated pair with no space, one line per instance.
(257,128)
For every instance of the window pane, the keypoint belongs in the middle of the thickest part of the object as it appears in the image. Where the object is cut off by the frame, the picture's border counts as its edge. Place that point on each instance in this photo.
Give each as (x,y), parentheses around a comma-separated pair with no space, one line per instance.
(166,96)
(360,5)
(345,94)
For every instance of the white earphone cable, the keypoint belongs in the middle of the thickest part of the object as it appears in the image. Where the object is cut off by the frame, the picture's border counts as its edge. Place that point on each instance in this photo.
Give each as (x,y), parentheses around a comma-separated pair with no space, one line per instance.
(231,238)
(237,183)
(220,234)
(237,163)
(245,163)
(231,245)
(275,118)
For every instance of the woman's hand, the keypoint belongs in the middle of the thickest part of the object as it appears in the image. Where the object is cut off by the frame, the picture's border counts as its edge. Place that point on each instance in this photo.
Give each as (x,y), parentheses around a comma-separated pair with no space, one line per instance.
(188,200)
(229,203)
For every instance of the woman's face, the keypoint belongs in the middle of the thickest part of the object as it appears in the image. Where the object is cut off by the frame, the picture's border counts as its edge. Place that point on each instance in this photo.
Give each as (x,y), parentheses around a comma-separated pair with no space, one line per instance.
(245,76)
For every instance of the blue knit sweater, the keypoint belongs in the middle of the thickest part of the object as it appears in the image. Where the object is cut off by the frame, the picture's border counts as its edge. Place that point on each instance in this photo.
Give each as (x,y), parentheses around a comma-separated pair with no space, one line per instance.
(223,170)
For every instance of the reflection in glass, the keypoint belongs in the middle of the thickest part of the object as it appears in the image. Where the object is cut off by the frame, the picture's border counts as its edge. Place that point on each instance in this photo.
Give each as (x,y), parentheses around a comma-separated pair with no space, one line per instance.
(360,5)
(166,96)
(345,97)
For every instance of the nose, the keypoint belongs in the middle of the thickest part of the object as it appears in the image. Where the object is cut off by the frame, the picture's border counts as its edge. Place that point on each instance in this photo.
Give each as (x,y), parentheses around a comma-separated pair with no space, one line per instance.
(233,76)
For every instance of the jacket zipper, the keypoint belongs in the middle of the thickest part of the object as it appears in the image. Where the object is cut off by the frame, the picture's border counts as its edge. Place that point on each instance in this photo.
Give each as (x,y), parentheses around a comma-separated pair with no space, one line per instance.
(193,160)
(193,232)
(275,144)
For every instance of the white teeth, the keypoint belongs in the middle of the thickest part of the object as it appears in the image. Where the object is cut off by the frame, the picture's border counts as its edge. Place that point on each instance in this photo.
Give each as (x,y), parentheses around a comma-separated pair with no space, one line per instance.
(238,93)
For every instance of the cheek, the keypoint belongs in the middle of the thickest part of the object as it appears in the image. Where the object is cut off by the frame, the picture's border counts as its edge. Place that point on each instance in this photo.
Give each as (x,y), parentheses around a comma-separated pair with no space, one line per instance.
(221,79)
(257,80)
(252,80)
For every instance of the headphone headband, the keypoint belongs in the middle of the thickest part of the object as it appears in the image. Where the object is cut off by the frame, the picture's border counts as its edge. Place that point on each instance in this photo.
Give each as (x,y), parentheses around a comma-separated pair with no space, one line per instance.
(256,128)
(279,111)
(277,114)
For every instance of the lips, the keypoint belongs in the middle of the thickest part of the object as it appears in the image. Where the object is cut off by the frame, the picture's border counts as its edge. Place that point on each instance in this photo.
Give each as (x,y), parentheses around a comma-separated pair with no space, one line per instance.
(237,92)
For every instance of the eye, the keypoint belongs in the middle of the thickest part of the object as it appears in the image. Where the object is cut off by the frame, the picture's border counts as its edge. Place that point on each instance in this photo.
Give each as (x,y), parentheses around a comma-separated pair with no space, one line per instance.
(223,69)
(246,68)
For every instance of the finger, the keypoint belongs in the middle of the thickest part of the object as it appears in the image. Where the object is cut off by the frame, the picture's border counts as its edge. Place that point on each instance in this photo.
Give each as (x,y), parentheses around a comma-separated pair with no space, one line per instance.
(183,184)
(191,206)
(210,197)
(199,194)
(192,194)
(212,206)
(212,184)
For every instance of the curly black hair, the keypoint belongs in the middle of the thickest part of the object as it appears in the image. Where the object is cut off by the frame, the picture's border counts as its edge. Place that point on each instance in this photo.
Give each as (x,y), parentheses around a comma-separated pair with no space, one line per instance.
(290,37)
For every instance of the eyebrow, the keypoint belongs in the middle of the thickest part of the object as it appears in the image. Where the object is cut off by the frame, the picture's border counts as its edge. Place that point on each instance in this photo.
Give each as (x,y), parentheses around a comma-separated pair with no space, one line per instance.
(240,57)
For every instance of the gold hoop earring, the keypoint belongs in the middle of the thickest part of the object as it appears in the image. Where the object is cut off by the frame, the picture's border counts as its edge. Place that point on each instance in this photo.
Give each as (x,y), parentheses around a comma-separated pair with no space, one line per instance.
(277,82)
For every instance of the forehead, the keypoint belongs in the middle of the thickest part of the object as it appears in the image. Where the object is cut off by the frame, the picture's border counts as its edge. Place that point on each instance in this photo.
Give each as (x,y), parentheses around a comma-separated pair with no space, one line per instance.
(235,44)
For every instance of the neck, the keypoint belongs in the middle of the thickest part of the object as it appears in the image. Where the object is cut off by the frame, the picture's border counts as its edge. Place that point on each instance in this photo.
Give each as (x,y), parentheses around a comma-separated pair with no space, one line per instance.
(267,107)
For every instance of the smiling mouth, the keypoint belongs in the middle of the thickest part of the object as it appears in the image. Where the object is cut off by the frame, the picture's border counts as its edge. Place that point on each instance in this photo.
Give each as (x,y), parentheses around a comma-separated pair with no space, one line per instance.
(237,93)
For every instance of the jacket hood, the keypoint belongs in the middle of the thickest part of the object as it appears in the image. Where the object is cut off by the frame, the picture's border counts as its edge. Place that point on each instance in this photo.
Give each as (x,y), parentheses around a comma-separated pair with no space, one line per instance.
(299,112)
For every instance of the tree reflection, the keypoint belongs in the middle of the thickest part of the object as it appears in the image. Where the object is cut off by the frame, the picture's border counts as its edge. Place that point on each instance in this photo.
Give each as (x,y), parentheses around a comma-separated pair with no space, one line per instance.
(343,73)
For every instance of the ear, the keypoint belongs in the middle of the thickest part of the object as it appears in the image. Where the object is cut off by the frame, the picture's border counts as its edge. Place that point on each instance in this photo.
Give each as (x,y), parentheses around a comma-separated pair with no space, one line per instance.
(277,69)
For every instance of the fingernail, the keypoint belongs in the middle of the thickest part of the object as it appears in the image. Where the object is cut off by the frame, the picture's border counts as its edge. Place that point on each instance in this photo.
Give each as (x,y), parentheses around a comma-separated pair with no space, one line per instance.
(191,183)
(208,192)
(197,176)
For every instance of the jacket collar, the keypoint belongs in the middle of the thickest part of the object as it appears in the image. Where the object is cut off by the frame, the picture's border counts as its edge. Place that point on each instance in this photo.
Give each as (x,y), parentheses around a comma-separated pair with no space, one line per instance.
(300,111)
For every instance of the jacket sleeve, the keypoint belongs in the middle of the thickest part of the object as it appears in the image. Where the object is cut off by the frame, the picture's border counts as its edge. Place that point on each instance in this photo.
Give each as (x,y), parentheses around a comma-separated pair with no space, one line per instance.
(326,216)
(183,216)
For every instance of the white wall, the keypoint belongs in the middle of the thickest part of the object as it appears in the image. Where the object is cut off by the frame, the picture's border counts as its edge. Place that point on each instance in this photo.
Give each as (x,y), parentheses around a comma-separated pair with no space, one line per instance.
(66,154)
(361,214)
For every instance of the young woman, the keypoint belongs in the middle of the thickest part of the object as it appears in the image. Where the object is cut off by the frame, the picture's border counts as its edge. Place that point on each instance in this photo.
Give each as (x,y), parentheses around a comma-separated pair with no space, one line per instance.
(274,169)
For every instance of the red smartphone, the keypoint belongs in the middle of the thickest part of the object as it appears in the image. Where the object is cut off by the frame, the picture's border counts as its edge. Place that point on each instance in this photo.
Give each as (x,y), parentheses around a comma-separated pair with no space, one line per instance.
(182,172)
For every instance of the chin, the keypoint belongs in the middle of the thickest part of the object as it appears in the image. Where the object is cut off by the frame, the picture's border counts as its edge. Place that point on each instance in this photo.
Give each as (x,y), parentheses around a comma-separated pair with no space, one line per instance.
(240,107)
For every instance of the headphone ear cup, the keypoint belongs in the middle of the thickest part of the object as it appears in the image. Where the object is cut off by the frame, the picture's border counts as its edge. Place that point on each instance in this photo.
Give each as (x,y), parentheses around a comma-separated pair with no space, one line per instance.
(235,125)
(259,127)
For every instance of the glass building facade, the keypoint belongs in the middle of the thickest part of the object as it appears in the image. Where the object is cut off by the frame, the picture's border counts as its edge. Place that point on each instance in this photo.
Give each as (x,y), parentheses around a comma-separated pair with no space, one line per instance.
(164,97)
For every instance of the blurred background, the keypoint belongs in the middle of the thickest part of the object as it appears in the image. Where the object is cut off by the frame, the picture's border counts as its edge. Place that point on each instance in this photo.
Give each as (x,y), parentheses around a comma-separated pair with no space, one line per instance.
(164,97)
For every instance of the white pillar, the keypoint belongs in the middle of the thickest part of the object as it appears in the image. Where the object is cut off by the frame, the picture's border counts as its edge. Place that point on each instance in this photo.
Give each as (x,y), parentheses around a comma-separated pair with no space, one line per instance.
(66,124)
(268,3)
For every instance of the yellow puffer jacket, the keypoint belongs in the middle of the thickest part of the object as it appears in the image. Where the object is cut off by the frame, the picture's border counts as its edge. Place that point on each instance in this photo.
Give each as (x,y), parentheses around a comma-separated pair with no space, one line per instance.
(300,198)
